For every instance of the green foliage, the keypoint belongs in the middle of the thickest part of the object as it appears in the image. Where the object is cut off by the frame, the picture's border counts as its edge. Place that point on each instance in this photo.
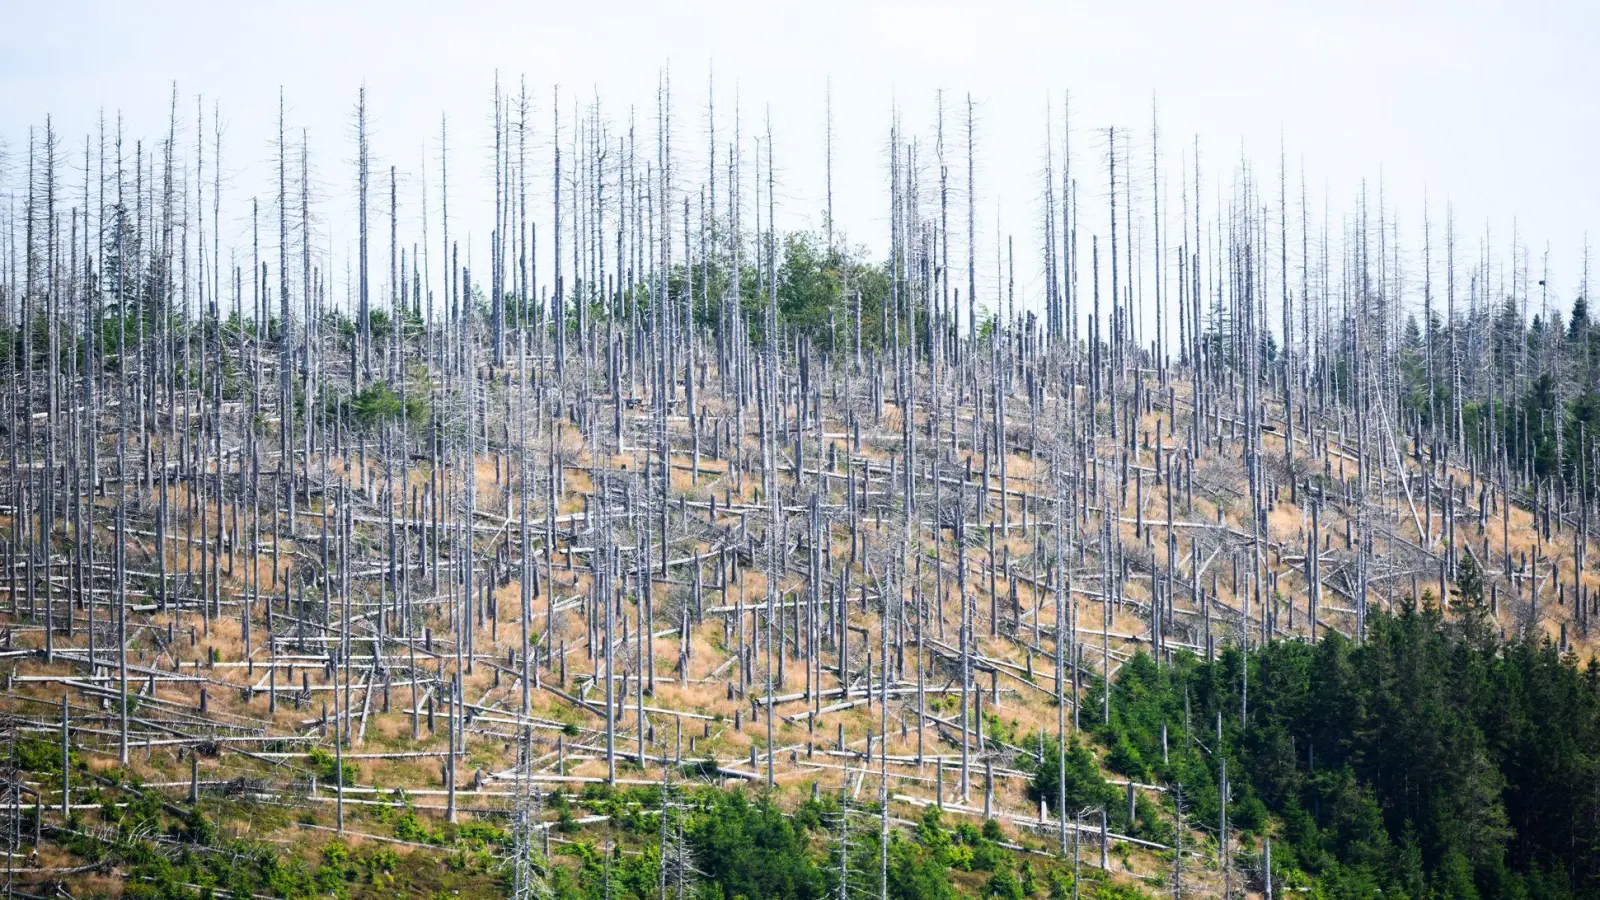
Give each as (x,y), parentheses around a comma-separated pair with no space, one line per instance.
(327,768)
(918,868)
(1003,886)
(40,756)
(1425,761)
(1085,786)
(752,849)
(379,404)
(817,290)
(410,828)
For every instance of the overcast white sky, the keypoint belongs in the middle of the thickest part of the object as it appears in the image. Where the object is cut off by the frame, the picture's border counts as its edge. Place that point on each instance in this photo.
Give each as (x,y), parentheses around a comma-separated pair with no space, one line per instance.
(1488,104)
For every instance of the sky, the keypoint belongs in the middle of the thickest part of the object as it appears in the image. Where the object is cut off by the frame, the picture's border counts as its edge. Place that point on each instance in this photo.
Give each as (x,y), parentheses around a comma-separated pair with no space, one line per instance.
(1489,106)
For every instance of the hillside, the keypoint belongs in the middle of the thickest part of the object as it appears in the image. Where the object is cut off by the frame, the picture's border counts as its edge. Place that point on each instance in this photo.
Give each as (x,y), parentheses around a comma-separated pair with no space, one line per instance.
(804,582)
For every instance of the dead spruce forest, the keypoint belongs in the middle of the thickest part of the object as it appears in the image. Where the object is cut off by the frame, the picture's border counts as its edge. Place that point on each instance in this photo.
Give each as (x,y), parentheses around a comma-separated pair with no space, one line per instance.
(626,545)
